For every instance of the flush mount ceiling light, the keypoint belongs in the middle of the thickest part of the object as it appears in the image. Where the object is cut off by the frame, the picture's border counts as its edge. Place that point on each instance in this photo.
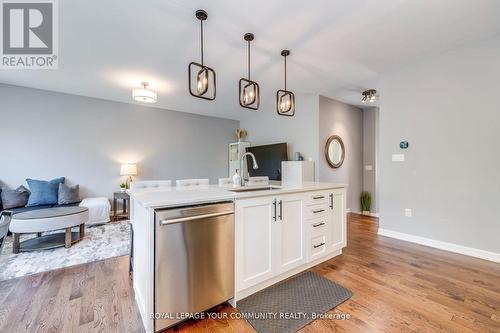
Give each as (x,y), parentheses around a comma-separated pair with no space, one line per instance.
(144,94)
(369,96)
(201,77)
(249,91)
(285,100)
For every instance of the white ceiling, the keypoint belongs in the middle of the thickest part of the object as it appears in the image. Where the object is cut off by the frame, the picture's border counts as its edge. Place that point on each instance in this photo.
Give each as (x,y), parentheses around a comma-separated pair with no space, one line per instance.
(339,47)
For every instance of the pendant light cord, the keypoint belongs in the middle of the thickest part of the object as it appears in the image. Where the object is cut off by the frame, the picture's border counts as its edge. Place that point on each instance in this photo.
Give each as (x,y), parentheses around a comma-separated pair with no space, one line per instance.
(249,61)
(285,73)
(201,26)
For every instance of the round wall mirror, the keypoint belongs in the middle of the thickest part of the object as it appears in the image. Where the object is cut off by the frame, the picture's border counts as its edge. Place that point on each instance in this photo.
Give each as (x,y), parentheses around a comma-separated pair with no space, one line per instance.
(334,151)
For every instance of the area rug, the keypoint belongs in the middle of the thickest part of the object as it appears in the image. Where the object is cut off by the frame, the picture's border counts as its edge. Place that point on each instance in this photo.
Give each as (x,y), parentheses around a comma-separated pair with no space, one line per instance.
(288,306)
(100,242)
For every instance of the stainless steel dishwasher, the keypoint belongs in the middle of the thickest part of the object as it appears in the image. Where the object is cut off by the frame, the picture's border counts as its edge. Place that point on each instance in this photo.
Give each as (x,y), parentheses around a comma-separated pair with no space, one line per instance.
(194,260)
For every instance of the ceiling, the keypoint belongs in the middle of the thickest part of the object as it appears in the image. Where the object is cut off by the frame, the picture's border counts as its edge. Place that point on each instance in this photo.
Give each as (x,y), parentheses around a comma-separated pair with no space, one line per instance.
(338,48)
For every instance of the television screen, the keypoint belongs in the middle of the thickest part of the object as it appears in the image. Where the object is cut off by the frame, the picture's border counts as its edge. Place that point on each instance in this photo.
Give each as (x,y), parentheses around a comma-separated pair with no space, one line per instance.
(269,158)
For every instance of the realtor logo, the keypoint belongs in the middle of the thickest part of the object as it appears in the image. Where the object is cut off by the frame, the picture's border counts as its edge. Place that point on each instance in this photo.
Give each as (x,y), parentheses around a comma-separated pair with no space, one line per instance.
(29,34)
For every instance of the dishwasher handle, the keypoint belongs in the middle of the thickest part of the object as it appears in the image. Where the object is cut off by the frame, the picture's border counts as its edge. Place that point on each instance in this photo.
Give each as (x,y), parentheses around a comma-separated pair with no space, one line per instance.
(196,217)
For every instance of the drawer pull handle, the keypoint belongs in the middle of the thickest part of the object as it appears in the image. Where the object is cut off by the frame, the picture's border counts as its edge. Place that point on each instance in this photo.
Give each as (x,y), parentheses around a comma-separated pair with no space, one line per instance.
(318,224)
(319,197)
(318,211)
(319,245)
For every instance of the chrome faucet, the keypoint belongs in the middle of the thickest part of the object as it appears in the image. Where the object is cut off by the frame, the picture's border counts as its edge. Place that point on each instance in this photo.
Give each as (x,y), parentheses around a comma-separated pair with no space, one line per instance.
(255,165)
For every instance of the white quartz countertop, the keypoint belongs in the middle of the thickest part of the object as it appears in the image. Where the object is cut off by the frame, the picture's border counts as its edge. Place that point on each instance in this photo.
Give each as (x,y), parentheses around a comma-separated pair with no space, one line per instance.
(172,196)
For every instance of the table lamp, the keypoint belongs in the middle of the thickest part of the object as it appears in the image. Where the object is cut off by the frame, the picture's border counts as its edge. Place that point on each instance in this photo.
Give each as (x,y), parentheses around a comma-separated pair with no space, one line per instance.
(129,170)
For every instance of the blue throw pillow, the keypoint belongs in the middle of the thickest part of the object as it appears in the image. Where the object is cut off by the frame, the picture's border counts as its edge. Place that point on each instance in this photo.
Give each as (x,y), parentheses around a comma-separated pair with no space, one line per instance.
(43,192)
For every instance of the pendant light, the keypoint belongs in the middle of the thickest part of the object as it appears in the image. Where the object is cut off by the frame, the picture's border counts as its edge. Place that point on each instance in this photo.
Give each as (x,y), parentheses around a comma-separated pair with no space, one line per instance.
(144,94)
(249,91)
(369,96)
(201,78)
(285,100)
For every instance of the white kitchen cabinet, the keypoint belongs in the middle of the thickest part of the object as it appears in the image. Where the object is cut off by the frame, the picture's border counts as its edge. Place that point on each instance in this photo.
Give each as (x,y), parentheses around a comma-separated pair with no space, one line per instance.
(280,235)
(254,240)
(290,249)
(337,228)
(269,237)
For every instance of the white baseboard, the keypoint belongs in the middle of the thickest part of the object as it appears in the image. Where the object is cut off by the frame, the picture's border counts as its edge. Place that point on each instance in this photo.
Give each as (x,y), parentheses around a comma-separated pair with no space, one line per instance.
(468,251)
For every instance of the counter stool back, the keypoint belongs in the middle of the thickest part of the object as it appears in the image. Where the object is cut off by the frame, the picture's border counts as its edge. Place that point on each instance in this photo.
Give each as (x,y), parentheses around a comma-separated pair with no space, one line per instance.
(182,183)
(149,184)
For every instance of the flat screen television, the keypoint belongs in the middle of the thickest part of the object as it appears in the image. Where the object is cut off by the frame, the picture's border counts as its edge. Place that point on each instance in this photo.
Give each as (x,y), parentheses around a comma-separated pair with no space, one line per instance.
(269,158)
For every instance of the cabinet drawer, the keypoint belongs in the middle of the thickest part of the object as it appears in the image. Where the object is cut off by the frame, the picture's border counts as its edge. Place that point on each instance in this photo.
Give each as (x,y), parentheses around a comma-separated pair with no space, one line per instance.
(318,224)
(315,198)
(316,211)
(317,246)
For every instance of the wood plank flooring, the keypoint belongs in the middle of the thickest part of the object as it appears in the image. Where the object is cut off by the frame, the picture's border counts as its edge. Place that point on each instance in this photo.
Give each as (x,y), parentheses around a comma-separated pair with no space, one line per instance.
(397,287)
(95,297)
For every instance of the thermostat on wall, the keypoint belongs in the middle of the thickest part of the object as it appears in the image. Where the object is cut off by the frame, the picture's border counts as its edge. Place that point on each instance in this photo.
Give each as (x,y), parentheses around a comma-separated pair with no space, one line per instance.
(404,144)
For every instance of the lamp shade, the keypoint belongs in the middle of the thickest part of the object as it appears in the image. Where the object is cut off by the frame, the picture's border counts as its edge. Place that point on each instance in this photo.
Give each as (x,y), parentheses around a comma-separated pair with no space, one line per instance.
(128,170)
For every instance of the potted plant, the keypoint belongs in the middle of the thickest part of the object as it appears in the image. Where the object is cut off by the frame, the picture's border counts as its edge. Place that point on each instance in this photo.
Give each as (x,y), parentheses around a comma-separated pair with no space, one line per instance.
(123,187)
(366,202)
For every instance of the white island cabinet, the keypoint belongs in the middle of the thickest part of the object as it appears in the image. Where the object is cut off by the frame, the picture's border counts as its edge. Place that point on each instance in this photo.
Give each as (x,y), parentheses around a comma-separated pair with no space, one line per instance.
(269,237)
(278,232)
(280,235)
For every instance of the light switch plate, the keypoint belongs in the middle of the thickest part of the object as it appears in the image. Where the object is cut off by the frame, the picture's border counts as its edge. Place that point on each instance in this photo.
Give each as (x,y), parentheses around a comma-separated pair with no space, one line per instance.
(398,157)
(408,212)
(368,167)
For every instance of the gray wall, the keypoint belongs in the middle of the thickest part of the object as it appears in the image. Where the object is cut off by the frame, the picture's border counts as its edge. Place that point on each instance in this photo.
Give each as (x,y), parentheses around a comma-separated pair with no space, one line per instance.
(345,121)
(447,108)
(300,132)
(46,135)
(370,147)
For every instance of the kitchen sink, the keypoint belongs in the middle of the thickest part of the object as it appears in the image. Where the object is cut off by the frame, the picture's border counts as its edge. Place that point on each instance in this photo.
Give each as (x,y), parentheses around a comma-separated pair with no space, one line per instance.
(253,188)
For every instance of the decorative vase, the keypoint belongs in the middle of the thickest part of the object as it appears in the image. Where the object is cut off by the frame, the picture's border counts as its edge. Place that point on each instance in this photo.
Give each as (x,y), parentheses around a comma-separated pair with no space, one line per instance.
(366,212)
(122,189)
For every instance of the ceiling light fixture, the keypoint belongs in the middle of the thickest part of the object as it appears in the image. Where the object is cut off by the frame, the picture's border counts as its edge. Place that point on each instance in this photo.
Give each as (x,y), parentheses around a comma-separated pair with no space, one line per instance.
(285,100)
(249,90)
(201,78)
(144,94)
(369,96)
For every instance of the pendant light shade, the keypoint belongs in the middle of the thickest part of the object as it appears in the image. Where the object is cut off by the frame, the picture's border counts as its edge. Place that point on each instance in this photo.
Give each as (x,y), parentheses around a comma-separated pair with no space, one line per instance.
(285,100)
(249,91)
(201,78)
(144,94)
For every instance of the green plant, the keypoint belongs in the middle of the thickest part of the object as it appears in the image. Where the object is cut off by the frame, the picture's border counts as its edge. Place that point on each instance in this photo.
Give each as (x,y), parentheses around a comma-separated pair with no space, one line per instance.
(366,201)
(123,185)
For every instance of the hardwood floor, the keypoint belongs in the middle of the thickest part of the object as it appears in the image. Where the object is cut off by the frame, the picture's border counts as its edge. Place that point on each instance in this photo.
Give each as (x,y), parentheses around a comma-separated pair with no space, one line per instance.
(95,297)
(397,287)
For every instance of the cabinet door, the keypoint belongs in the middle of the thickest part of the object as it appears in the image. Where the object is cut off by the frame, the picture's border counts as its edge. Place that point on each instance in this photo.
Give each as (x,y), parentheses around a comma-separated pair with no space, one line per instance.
(337,220)
(290,247)
(254,241)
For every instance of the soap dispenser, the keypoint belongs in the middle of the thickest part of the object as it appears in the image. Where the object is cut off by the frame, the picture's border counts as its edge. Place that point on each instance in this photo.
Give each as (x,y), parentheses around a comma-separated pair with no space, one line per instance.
(236,179)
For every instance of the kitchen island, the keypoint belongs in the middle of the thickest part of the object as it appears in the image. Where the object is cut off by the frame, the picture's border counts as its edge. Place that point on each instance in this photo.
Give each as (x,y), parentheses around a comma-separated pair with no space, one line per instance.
(279,231)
